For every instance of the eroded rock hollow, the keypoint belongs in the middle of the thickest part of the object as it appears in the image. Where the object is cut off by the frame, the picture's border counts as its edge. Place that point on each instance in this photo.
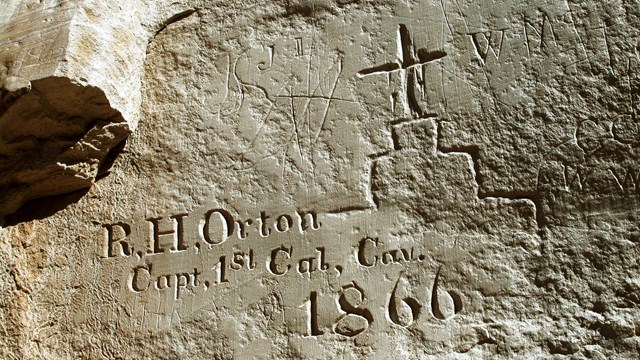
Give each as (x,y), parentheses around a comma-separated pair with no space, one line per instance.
(319,179)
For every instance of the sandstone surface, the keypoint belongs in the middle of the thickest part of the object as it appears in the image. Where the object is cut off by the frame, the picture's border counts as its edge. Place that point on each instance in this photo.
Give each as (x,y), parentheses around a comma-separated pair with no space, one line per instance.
(316,179)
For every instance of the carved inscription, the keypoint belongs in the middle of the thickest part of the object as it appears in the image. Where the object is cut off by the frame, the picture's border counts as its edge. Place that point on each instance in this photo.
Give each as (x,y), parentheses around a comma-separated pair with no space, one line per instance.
(197,255)
(403,309)
(168,233)
(327,279)
(141,280)
(371,253)
(410,64)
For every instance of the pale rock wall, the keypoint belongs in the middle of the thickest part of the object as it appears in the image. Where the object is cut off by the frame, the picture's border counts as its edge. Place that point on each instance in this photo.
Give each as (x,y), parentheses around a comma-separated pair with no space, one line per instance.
(70,75)
(321,179)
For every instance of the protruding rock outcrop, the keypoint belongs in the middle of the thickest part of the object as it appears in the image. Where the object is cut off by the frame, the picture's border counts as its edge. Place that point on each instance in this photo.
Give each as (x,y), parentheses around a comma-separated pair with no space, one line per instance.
(70,79)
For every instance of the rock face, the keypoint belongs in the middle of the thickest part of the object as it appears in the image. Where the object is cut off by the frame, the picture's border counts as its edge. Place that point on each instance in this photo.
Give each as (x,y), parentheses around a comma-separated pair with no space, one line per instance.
(315,179)
(70,91)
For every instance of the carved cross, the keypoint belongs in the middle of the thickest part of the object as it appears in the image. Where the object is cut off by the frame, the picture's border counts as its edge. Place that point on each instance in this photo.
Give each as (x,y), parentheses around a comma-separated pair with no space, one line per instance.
(408,62)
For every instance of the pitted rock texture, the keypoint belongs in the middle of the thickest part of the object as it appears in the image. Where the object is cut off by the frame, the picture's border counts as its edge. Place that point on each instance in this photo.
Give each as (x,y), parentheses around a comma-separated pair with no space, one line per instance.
(54,140)
(328,179)
(70,90)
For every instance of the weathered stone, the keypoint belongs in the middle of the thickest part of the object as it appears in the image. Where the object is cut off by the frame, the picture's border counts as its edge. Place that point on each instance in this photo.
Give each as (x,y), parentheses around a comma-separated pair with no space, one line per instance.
(70,78)
(313,179)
